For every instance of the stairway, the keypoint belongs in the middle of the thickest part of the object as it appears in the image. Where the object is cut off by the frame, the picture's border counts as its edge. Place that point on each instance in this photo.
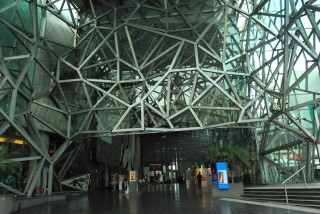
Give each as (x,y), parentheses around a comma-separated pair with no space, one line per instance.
(297,195)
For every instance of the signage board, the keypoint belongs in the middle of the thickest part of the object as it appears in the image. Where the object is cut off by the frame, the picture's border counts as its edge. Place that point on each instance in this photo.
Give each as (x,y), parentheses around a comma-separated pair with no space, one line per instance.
(132,175)
(222,175)
(78,183)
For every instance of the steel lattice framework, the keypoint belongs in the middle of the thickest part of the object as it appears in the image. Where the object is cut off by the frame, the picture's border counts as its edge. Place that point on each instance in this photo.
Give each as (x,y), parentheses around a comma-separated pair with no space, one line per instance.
(125,67)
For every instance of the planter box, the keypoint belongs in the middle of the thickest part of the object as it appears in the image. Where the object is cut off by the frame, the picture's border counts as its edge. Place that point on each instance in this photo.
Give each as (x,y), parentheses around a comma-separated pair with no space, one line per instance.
(6,203)
(235,190)
(10,203)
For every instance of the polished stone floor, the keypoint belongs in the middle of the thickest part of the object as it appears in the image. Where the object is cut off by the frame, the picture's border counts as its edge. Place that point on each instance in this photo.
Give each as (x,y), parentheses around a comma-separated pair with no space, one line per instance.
(167,198)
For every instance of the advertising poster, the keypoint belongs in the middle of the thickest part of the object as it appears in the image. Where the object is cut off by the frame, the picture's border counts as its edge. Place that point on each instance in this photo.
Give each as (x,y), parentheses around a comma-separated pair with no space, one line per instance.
(222,175)
(132,175)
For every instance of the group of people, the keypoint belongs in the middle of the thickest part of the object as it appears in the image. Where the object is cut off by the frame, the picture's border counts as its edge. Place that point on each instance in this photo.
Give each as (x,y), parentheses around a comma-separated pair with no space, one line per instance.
(120,183)
(157,179)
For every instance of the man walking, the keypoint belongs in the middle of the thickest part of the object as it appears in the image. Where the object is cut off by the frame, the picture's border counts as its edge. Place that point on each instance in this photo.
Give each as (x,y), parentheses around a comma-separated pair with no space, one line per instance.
(199,176)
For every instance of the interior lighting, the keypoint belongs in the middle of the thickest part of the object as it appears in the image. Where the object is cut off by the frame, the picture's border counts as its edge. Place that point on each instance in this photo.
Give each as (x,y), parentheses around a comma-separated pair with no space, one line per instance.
(3,139)
(18,141)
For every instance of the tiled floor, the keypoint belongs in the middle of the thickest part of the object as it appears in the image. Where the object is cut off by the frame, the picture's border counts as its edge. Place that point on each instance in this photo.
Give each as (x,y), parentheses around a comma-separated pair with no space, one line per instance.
(168,198)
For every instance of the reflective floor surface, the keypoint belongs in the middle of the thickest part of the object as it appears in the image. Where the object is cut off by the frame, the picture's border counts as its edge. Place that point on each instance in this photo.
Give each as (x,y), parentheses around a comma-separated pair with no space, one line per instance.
(165,198)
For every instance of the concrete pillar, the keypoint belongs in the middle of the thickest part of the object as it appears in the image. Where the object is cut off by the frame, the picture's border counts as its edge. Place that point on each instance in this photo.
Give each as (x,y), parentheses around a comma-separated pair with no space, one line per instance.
(306,160)
(133,184)
(106,175)
(50,177)
(136,162)
(137,159)
(265,172)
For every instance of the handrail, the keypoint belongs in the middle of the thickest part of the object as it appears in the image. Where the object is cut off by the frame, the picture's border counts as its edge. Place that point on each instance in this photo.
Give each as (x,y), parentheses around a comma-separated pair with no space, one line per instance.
(284,183)
(294,175)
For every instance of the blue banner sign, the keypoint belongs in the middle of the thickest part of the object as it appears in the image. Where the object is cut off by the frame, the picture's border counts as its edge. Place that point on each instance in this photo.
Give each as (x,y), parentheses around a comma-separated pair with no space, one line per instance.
(222,175)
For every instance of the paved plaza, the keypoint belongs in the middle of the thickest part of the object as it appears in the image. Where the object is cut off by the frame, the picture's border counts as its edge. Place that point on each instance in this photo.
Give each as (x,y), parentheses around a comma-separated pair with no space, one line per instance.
(167,198)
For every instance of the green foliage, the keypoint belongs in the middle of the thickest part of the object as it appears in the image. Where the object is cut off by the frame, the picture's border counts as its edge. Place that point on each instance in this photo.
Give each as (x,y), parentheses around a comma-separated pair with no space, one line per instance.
(7,166)
(213,154)
(234,155)
(237,156)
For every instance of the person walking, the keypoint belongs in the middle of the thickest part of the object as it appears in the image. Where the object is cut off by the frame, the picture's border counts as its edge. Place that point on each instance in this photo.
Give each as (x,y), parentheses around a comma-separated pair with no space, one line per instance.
(199,177)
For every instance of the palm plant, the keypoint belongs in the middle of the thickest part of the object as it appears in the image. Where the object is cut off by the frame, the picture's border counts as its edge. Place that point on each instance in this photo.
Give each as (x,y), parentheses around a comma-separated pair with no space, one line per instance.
(213,154)
(236,156)
(233,155)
